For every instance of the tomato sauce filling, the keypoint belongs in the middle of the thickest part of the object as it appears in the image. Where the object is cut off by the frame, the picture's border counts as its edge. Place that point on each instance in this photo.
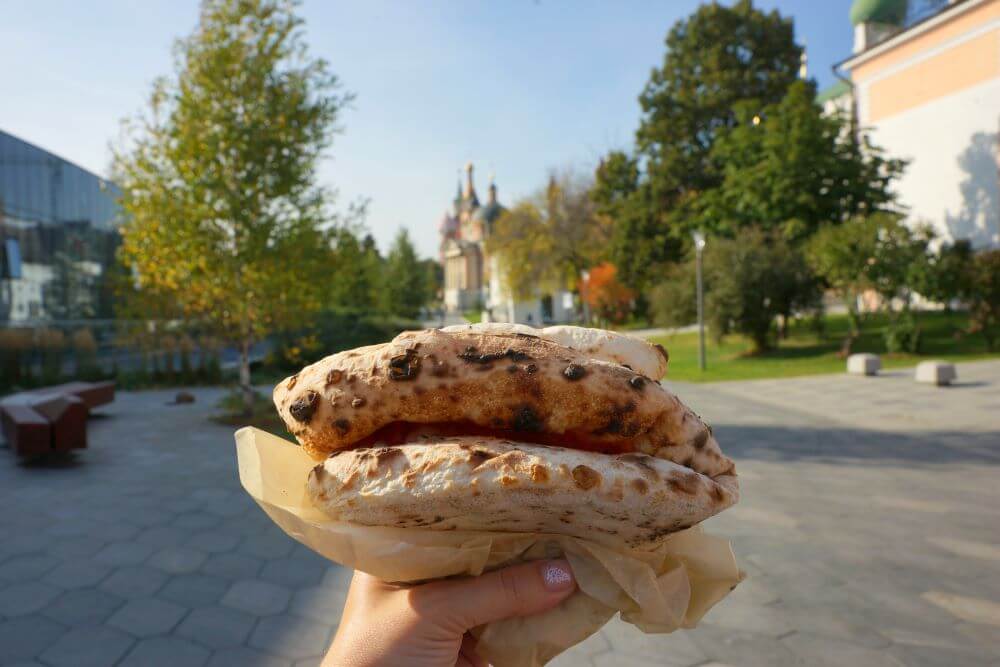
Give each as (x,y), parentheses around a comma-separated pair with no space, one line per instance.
(402,432)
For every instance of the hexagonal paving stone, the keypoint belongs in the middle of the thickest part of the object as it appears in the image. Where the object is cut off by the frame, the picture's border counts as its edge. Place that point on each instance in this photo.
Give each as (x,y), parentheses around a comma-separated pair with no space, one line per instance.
(293,572)
(26,598)
(319,603)
(134,582)
(217,627)
(214,541)
(113,531)
(165,652)
(232,566)
(246,657)
(76,547)
(257,597)
(123,553)
(178,560)
(77,574)
(24,637)
(197,521)
(88,647)
(338,578)
(162,537)
(269,545)
(27,566)
(194,590)
(88,606)
(147,617)
(289,636)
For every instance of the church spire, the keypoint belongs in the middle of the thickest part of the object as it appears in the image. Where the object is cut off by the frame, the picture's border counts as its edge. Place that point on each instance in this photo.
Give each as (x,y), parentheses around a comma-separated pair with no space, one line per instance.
(493,190)
(470,189)
(469,198)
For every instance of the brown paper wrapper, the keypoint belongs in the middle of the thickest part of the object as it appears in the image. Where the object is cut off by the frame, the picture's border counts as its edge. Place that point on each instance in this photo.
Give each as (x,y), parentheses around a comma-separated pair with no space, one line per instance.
(657,589)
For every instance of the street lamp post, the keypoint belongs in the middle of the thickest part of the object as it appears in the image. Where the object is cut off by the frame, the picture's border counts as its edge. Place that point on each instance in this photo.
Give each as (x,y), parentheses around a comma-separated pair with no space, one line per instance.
(699,245)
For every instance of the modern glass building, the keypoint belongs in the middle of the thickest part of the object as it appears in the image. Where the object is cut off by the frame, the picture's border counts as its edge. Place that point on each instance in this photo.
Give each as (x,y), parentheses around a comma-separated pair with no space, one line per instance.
(57,236)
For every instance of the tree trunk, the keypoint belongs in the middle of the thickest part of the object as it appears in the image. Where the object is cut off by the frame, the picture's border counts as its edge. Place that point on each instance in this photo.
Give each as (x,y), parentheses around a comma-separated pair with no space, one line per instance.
(245,386)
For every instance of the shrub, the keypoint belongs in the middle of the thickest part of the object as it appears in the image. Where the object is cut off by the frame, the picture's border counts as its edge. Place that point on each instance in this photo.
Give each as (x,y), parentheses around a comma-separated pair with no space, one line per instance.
(605,295)
(52,344)
(944,276)
(749,280)
(984,296)
(15,357)
(903,334)
(673,302)
(85,348)
(333,331)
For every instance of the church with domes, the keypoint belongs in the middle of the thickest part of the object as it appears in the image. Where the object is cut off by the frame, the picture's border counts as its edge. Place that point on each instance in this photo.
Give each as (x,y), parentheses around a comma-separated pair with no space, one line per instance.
(473,279)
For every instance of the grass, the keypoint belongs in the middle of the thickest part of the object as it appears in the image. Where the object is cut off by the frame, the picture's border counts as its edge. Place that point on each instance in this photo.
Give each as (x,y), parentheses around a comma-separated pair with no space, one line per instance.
(807,353)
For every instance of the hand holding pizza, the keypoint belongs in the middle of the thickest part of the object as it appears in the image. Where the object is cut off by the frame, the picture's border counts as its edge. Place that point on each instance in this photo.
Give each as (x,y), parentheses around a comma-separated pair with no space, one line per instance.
(427,625)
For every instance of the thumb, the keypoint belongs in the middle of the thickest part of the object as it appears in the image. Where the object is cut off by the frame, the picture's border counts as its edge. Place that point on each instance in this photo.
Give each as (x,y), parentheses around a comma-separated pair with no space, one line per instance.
(519,590)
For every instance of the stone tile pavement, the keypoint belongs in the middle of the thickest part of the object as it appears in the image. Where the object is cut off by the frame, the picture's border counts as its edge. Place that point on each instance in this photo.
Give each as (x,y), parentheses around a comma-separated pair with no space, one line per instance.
(869,530)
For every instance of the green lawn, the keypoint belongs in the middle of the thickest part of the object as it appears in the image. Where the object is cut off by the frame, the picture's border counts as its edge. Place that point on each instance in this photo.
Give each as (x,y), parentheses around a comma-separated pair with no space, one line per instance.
(807,353)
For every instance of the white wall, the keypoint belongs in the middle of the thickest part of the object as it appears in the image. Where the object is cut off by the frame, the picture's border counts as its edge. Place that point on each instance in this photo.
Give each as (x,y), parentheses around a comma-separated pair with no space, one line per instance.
(952,179)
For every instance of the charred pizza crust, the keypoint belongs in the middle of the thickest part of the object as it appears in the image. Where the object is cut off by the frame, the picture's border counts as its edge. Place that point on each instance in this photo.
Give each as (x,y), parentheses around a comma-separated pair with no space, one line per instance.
(522,386)
(469,483)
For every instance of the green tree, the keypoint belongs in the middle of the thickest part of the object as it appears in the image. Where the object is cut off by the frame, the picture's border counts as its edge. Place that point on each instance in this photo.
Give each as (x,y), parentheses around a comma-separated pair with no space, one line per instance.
(749,281)
(638,244)
(945,275)
(716,59)
(219,179)
(547,240)
(984,296)
(877,252)
(406,281)
(356,276)
(840,255)
(788,167)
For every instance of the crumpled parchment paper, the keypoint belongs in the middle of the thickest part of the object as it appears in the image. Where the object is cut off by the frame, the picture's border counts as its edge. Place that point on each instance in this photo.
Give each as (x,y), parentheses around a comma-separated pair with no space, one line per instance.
(657,589)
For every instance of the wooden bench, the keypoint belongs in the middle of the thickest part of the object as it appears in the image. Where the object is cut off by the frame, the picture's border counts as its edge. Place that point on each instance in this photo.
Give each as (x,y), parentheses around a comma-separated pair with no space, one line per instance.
(53,419)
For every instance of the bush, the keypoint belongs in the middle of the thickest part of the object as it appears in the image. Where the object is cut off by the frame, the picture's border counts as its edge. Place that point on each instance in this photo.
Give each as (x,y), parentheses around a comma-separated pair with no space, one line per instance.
(673,302)
(902,335)
(333,331)
(749,280)
(944,276)
(608,298)
(15,354)
(85,349)
(52,344)
(984,296)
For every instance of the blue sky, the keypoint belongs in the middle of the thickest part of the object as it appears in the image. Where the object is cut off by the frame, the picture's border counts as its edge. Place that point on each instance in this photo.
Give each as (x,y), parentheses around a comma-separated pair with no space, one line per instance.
(518,87)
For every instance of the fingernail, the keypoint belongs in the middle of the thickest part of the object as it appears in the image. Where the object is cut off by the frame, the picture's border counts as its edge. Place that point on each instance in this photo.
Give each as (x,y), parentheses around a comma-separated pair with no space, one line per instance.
(557,576)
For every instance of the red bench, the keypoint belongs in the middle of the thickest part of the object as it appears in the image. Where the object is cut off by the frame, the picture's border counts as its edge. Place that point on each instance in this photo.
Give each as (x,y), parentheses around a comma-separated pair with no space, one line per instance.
(53,419)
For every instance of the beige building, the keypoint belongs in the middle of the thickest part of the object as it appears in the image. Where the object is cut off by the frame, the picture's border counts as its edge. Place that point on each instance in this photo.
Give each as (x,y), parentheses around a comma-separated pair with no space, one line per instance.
(928,90)
(473,280)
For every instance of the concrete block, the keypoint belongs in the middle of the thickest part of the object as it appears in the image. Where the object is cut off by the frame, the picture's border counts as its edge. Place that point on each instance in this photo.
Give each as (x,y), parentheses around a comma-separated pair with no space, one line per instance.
(863,364)
(936,372)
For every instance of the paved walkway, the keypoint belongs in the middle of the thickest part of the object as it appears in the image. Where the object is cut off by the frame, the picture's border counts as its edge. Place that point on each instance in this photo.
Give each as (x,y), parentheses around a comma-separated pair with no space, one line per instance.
(869,529)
